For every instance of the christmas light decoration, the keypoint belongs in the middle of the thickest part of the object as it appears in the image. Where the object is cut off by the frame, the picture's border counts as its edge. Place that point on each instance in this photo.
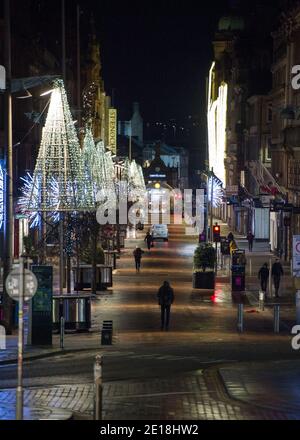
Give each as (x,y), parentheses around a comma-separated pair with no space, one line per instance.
(104,175)
(217,120)
(31,189)
(60,163)
(137,182)
(1,196)
(215,193)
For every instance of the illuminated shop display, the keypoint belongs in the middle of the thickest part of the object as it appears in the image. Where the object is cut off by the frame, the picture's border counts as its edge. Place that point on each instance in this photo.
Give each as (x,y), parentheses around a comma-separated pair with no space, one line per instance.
(216,119)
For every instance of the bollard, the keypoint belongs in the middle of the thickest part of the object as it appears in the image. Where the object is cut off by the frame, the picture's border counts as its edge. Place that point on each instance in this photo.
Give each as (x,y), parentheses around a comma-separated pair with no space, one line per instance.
(62,332)
(276,318)
(98,388)
(261,300)
(240,325)
(250,267)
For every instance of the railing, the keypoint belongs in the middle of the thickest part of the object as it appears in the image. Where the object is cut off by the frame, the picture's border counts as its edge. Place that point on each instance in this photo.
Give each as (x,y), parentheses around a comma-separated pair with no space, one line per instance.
(263,176)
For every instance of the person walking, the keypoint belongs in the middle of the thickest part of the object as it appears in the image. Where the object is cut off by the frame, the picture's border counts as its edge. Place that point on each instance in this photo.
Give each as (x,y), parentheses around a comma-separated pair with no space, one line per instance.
(230,237)
(165,297)
(277,272)
(149,240)
(137,253)
(263,276)
(233,246)
(250,238)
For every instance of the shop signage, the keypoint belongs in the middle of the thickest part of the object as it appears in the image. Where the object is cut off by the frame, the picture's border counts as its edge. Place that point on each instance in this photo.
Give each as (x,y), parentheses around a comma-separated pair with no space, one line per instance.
(112,130)
(232,190)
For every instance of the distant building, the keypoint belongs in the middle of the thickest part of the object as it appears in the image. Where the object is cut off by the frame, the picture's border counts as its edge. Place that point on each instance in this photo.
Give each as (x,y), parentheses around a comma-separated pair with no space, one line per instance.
(137,129)
(134,127)
(173,158)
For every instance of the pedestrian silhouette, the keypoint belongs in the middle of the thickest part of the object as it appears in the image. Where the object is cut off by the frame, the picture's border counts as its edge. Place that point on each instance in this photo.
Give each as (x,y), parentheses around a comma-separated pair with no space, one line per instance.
(165,297)
(263,276)
(149,240)
(137,253)
(277,272)
(230,237)
(250,238)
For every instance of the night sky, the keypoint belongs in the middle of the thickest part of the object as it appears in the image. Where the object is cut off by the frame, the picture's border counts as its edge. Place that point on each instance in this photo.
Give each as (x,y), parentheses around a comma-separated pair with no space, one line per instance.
(157,53)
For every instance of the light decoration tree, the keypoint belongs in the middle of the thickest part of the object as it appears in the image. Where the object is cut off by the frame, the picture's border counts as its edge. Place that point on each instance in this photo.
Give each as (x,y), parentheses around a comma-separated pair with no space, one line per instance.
(135,182)
(1,196)
(138,187)
(104,175)
(90,160)
(215,192)
(60,161)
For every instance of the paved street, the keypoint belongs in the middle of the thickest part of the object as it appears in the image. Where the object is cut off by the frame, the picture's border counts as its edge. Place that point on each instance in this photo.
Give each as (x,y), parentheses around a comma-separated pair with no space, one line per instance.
(165,375)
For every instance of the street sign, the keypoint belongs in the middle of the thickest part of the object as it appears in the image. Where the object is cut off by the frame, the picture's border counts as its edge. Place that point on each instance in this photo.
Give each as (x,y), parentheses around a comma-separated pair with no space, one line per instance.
(12,284)
(296,255)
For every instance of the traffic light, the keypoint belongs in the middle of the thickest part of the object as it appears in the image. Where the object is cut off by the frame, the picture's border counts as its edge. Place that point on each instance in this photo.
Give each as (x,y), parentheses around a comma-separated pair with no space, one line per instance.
(216,233)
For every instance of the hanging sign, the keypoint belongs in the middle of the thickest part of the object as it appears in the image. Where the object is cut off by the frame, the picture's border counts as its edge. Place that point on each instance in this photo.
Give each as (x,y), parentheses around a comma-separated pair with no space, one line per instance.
(112,130)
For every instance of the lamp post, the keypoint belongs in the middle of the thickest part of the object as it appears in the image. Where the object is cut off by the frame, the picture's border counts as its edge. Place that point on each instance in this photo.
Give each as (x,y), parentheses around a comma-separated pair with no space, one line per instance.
(8,217)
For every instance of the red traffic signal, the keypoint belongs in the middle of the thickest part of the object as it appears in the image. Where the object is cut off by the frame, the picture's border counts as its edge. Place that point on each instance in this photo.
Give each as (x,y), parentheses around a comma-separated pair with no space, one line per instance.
(216,233)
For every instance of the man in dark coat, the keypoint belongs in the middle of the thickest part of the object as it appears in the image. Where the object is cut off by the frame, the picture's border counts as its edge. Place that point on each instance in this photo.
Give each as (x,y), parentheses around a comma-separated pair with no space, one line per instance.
(137,253)
(263,276)
(165,297)
(277,272)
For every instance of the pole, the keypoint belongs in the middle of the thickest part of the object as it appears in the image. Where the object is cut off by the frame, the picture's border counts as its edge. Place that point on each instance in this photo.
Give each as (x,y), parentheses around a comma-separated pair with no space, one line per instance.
(62,332)
(250,267)
(63,45)
(285,242)
(61,253)
(78,68)
(8,155)
(240,325)
(98,388)
(19,393)
(130,141)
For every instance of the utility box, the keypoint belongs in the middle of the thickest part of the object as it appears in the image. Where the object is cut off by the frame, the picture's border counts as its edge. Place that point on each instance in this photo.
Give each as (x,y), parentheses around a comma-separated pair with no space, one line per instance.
(238,269)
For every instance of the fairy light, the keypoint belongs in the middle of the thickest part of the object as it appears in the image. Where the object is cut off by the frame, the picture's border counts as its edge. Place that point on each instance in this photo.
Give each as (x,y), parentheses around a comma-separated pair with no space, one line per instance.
(217,194)
(60,161)
(31,189)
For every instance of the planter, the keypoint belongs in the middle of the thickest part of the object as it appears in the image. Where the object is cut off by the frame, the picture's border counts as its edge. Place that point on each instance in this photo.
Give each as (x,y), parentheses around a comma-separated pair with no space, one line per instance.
(204,280)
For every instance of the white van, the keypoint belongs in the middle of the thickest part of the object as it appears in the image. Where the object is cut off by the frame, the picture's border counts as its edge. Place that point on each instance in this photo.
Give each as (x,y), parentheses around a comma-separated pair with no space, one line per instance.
(160,232)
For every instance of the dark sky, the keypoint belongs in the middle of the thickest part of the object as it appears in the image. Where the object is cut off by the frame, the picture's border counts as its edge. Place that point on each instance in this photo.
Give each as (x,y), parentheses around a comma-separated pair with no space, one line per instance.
(157,53)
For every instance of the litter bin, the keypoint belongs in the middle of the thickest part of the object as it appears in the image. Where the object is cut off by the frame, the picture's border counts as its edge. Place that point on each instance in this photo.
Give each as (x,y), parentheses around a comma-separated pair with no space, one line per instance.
(76,311)
(106,333)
